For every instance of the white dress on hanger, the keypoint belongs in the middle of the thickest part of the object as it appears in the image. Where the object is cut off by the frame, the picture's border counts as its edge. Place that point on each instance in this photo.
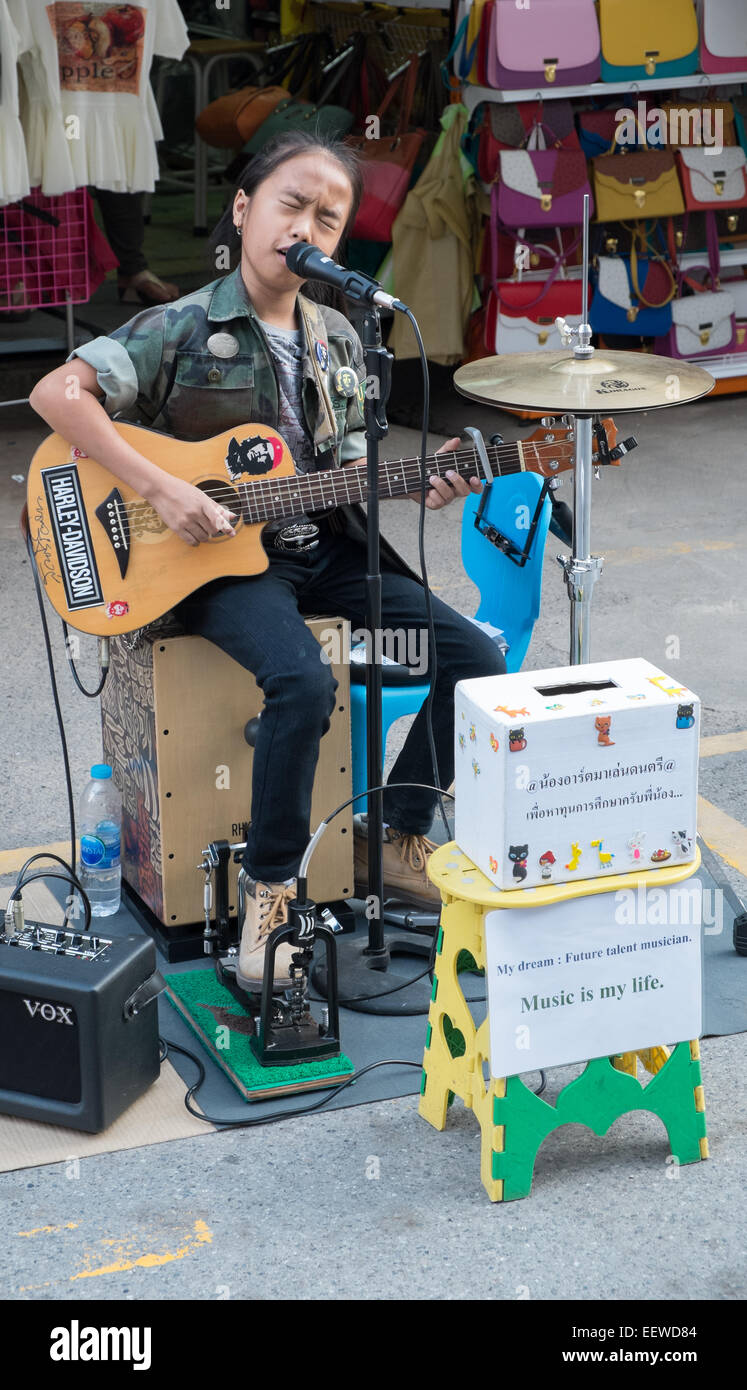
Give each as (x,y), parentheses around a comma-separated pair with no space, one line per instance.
(14,173)
(89,114)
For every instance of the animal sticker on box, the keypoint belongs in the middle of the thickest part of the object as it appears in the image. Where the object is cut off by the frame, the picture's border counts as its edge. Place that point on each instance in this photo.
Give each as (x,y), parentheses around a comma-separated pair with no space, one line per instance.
(635,845)
(546,862)
(605,859)
(685,717)
(602,724)
(518,855)
(576,852)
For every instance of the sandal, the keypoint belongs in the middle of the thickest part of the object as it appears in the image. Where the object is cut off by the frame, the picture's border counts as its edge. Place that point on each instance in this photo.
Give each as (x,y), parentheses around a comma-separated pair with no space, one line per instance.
(146,288)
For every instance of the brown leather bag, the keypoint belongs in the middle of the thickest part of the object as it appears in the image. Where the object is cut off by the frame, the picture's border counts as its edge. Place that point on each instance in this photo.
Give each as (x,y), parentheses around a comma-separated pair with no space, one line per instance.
(231,120)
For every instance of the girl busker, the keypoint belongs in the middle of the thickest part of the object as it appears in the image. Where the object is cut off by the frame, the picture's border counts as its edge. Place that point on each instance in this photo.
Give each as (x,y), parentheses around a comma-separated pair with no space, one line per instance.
(251,346)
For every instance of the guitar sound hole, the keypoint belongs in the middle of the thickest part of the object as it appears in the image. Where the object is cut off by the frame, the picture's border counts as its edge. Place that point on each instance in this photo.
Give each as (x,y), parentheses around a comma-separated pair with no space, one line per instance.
(225,495)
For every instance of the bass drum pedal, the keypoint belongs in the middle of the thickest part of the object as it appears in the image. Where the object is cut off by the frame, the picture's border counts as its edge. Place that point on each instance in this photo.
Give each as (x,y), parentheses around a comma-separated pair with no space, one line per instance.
(286,1032)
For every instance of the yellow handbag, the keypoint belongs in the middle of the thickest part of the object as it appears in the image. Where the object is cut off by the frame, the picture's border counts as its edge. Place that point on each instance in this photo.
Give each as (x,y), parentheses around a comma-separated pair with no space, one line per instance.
(641,38)
(631,185)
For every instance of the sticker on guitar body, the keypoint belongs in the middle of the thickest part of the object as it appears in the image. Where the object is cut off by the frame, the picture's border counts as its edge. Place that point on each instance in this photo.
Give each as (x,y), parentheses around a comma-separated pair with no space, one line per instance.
(72,538)
(255,455)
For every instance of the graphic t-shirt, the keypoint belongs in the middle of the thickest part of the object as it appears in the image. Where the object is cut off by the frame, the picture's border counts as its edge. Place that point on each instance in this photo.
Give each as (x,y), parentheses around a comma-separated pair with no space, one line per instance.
(286,346)
(88,109)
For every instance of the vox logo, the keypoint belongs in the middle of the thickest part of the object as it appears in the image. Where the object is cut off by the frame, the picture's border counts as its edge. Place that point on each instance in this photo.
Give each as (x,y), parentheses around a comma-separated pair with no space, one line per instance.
(50,1013)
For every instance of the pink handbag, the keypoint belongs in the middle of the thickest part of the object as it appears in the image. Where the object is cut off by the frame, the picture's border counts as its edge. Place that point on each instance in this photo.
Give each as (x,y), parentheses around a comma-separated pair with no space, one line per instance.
(723,36)
(542,188)
(547,41)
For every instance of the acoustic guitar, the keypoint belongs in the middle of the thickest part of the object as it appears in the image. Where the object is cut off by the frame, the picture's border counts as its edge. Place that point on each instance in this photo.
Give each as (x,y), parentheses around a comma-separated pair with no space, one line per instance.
(109,564)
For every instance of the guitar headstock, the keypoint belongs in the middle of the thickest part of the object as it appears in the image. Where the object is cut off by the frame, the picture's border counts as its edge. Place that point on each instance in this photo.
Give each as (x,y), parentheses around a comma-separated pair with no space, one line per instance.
(555,447)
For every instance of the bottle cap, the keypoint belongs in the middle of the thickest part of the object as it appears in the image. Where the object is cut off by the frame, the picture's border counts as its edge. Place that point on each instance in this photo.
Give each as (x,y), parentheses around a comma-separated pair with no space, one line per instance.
(101,770)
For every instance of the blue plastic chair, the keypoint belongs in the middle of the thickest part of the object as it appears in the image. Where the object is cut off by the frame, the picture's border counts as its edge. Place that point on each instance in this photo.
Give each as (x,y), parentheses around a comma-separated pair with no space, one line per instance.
(509,599)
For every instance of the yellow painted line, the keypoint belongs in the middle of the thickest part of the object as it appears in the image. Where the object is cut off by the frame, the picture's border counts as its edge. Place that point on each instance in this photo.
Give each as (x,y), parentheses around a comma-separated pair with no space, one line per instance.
(726,836)
(652,552)
(50,1230)
(12,859)
(202,1236)
(717,744)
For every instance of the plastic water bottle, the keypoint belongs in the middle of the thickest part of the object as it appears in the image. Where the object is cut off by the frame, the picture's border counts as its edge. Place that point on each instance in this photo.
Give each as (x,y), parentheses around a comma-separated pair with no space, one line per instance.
(100,824)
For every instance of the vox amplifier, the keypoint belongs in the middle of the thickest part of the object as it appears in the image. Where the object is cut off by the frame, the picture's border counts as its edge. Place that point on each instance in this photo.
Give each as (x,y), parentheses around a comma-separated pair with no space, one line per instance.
(78,1024)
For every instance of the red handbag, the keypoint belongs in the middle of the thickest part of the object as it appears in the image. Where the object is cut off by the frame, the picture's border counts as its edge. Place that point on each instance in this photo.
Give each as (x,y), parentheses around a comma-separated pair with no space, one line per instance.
(388,163)
(508,127)
(713,180)
(483,40)
(520,314)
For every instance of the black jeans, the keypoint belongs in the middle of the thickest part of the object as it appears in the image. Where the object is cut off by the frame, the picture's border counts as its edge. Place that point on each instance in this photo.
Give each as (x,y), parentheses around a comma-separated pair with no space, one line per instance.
(259,621)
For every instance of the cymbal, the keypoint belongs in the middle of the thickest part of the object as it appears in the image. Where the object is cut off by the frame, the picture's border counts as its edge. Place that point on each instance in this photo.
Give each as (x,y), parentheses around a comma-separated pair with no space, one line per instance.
(559,383)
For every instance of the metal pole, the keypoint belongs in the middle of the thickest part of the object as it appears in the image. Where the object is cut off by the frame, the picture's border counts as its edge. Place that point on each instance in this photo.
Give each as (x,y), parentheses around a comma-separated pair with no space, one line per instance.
(583,569)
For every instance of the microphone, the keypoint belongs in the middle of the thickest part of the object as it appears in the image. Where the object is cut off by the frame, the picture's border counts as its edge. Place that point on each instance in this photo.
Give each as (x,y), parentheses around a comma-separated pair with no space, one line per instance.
(312,264)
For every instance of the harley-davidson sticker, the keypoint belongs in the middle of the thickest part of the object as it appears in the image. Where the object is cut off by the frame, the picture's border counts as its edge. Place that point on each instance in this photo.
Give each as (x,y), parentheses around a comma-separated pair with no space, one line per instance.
(72,538)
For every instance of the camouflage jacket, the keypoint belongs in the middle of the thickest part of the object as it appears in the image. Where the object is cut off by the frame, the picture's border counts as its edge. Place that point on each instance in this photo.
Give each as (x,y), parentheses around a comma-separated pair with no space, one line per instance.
(168,368)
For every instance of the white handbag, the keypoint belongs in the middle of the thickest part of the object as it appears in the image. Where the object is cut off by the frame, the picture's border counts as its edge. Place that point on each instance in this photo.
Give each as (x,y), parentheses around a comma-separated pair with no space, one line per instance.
(703,323)
(738,291)
(524,335)
(715,179)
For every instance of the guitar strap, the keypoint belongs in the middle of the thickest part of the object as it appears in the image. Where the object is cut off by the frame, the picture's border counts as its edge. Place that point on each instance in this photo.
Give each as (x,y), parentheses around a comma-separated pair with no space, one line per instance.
(318,352)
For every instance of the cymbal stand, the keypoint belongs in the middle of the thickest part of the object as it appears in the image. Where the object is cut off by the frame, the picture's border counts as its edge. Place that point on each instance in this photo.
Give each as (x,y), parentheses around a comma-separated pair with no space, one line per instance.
(582,569)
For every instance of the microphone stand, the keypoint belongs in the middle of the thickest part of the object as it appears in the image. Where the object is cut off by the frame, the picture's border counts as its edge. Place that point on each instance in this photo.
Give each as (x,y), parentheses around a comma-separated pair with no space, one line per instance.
(378,362)
(356,961)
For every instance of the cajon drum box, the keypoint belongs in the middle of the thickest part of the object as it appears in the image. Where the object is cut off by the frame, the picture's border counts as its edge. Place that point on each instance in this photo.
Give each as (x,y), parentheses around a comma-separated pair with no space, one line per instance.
(174,711)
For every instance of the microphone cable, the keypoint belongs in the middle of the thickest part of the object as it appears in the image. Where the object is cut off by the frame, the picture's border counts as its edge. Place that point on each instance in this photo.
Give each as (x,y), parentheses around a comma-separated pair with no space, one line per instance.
(432,656)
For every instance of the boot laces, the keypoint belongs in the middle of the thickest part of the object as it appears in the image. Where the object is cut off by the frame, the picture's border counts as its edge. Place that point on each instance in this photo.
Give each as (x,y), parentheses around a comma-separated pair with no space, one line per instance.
(273,910)
(414,850)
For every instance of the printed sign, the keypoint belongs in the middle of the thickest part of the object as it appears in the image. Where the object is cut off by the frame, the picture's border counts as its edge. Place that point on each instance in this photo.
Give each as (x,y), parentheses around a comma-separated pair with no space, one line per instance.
(100,46)
(72,538)
(606,973)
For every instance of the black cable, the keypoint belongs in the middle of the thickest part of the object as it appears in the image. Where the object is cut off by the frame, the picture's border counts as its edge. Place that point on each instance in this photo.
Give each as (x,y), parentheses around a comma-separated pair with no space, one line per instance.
(69,878)
(277,1115)
(432,656)
(89,694)
(43,854)
(329,1095)
(56,698)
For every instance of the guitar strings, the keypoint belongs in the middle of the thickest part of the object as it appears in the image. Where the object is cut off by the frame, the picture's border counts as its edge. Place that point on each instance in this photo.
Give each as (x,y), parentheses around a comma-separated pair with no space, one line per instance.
(411,470)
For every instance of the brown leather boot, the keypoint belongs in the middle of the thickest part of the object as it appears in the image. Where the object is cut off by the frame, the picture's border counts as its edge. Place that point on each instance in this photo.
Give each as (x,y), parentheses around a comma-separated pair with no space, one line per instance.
(404,860)
(266,909)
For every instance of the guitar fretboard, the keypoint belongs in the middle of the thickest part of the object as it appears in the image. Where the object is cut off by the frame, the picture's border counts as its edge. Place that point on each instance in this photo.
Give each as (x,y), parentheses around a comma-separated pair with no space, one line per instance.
(274,498)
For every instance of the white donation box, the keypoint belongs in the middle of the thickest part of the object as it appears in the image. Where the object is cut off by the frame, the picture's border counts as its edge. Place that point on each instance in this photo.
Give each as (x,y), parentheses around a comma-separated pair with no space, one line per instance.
(575,773)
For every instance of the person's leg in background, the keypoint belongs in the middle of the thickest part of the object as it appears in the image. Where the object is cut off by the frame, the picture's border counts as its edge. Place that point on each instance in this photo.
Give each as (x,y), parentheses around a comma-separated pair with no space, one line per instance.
(256,621)
(122,215)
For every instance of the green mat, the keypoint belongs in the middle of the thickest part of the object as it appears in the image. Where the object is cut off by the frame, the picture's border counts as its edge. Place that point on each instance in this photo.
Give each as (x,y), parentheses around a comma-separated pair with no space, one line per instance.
(224,1030)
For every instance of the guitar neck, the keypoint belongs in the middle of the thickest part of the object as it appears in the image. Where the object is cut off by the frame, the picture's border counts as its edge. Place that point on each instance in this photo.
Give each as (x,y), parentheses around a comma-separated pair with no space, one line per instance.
(268,498)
